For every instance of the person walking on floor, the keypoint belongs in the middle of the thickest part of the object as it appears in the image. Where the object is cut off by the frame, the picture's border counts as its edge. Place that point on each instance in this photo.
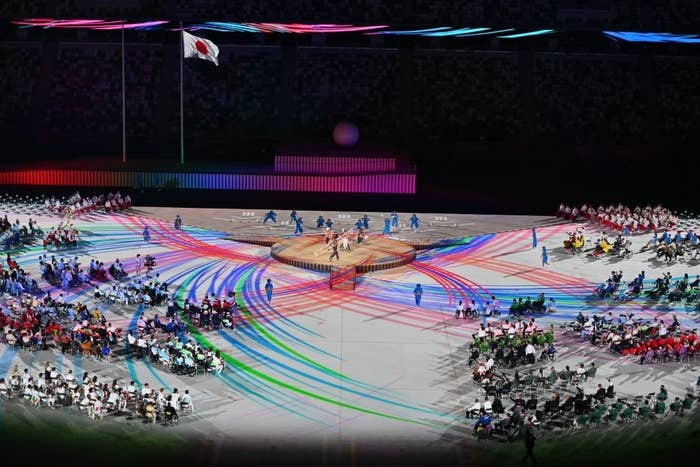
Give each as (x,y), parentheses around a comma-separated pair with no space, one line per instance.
(534,238)
(268,289)
(529,442)
(418,293)
(545,257)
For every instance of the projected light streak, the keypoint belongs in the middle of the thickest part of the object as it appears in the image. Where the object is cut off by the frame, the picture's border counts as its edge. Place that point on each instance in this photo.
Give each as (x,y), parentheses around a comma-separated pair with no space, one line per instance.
(660,37)
(498,31)
(447,31)
(285,28)
(265,377)
(539,32)
(257,390)
(95,24)
(241,287)
(231,284)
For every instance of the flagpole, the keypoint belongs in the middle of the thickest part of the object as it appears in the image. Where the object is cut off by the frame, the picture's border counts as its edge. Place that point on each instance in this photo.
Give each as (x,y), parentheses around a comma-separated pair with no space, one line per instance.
(182,100)
(123,100)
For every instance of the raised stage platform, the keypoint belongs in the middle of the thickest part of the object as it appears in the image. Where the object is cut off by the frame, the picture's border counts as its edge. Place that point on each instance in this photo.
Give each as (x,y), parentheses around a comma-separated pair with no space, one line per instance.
(373,254)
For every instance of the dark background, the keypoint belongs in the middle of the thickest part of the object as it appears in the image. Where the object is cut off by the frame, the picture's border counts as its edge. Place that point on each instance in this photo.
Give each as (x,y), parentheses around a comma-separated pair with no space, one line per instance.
(491,125)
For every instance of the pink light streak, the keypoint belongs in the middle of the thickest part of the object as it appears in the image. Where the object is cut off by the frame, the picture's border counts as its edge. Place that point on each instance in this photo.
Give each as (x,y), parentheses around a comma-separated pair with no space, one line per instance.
(95,24)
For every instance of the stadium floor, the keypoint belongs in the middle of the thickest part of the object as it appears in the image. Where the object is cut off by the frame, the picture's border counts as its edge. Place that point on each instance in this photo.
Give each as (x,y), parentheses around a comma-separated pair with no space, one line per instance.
(342,374)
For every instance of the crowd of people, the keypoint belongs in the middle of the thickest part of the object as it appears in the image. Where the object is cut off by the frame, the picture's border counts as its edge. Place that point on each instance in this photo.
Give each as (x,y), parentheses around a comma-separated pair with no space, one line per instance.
(622,218)
(540,304)
(651,340)
(14,234)
(14,280)
(508,344)
(664,287)
(568,407)
(76,204)
(63,236)
(94,396)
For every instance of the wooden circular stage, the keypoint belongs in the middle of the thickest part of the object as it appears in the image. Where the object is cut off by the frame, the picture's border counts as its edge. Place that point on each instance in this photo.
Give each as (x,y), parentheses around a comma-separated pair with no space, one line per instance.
(374,254)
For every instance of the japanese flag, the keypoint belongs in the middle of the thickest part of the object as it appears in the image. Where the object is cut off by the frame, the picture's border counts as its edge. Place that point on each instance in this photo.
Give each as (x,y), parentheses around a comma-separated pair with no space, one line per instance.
(200,48)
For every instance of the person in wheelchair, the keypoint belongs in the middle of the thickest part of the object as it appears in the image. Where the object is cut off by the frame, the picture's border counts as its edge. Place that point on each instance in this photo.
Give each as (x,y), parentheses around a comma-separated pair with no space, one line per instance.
(169,413)
(150,264)
(482,427)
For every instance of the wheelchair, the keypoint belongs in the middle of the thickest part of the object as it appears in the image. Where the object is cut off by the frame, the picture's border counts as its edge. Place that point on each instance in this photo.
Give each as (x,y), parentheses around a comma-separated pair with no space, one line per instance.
(170,416)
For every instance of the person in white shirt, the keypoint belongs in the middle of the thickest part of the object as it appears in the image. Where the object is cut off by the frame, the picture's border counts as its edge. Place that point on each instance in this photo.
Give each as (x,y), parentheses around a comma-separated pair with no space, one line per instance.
(530,352)
(496,305)
(146,391)
(475,409)
(186,402)
(488,408)
(461,310)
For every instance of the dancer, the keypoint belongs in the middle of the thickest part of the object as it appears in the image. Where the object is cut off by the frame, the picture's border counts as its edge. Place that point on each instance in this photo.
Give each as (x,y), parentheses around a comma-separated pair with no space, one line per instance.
(545,257)
(328,235)
(319,222)
(146,234)
(418,293)
(299,229)
(414,221)
(178,222)
(365,221)
(271,215)
(334,246)
(359,224)
(268,289)
(395,219)
(329,223)
(360,236)
(344,243)
(387,227)
(293,215)
(534,238)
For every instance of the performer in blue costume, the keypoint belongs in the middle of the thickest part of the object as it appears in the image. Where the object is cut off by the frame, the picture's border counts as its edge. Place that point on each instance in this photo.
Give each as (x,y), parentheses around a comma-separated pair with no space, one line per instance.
(329,223)
(394,219)
(359,224)
(414,221)
(268,289)
(293,215)
(299,229)
(418,293)
(534,238)
(271,215)
(387,227)
(545,257)
(365,221)
(146,234)
(319,222)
